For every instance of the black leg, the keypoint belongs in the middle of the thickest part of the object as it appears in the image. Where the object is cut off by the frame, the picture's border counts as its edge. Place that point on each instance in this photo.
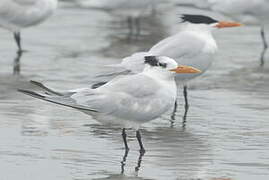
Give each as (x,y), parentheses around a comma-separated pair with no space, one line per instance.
(185,92)
(153,10)
(265,46)
(138,27)
(124,136)
(173,116)
(123,162)
(130,27)
(17,37)
(138,136)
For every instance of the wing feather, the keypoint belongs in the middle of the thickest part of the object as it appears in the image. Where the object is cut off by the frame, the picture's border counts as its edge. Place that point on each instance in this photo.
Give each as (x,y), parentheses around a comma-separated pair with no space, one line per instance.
(60,100)
(121,98)
(181,47)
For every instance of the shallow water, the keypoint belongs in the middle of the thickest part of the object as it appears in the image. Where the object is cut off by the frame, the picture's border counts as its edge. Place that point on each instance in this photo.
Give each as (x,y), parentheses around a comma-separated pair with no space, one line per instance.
(227,132)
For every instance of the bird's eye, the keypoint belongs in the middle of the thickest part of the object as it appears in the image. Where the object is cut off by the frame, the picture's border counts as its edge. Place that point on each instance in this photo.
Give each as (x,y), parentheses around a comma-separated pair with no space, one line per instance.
(164,65)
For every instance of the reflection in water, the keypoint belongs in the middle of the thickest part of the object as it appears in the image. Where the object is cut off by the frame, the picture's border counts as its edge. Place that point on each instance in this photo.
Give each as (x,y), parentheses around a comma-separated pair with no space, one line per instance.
(123,162)
(141,154)
(169,150)
(139,161)
(173,116)
(265,46)
(186,109)
(17,64)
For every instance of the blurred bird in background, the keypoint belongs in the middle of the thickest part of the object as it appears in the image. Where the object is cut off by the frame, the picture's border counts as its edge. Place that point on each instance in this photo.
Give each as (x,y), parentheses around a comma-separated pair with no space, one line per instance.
(18,14)
(132,11)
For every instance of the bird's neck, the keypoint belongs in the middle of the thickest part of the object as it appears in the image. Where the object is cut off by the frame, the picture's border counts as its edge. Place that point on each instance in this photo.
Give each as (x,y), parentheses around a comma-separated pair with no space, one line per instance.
(200,28)
(159,75)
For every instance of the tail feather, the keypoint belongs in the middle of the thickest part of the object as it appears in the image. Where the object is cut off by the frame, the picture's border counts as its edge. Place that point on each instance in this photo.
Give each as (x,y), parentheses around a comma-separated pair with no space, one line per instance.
(62,100)
(32,93)
(47,90)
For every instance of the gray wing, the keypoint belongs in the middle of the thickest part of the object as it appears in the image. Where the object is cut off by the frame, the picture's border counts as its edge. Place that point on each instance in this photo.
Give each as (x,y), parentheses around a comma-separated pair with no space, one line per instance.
(124,97)
(133,86)
(181,47)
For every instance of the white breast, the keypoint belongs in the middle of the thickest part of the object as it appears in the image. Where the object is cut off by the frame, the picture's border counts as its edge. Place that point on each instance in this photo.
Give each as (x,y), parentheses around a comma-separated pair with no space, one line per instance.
(202,59)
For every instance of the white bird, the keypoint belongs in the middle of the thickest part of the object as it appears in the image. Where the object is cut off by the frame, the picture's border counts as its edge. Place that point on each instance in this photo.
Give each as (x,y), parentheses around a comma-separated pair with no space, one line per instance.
(194,45)
(18,14)
(128,101)
(249,12)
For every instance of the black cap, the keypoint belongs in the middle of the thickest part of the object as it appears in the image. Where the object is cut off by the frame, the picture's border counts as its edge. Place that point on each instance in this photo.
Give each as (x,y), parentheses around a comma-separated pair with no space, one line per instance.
(198,19)
(153,61)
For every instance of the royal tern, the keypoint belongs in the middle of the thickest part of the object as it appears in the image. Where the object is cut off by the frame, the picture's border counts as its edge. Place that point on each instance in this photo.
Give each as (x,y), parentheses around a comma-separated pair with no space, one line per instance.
(194,45)
(18,14)
(249,12)
(127,101)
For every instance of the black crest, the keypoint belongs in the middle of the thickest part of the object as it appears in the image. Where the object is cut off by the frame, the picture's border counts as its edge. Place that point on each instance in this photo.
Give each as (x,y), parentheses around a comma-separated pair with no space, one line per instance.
(153,61)
(198,19)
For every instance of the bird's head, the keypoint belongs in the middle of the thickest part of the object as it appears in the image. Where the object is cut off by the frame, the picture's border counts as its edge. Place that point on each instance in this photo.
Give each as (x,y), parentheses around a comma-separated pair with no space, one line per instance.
(208,22)
(166,66)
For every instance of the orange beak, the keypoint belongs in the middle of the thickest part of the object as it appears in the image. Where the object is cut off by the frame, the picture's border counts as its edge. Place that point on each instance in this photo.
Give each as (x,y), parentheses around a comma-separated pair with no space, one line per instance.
(185,70)
(224,24)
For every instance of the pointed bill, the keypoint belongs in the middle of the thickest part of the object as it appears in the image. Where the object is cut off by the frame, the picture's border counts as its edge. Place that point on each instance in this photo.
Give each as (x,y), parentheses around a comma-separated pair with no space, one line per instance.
(185,70)
(224,24)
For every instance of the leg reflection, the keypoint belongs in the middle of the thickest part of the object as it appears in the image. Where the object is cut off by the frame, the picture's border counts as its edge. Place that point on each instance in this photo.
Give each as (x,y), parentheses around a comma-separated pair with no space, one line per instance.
(265,46)
(123,162)
(173,116)
(17,64)
(139,161)
(185,92)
